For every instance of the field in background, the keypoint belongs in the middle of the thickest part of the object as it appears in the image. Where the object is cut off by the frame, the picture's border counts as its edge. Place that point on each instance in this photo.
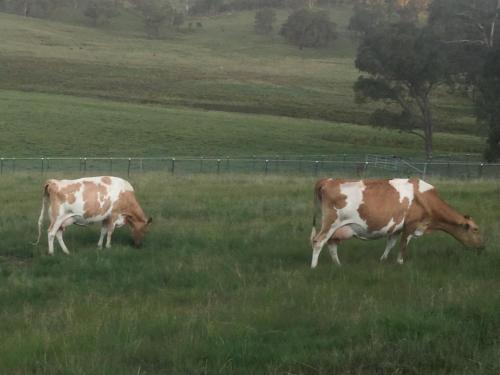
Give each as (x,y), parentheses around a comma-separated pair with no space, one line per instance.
(223,66)
(34,124)
(222,285)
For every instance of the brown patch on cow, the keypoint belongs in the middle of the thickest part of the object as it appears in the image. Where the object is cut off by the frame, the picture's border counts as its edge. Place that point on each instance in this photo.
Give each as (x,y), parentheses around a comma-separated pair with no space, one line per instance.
(328,192)
(67,193)
(381,204)
(106,180)
(93,195)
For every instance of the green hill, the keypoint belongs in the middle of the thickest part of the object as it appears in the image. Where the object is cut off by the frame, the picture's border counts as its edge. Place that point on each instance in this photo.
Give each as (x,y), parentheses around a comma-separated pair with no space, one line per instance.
(223,66)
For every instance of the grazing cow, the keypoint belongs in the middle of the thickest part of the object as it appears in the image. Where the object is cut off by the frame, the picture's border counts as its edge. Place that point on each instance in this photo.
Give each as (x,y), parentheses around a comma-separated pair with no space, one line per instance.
(370,209)
(109,200)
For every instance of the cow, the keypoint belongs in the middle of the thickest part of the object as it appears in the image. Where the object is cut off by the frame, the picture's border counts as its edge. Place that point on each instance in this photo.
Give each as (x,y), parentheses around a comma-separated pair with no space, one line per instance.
(108,200)
(374,208)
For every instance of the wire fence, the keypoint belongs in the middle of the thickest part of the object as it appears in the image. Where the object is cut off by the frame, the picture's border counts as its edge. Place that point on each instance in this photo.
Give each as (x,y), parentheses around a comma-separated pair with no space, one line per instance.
(342,165)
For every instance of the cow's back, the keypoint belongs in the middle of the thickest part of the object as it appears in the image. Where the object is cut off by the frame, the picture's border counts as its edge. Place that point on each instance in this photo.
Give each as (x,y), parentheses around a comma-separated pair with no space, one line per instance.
(90,198)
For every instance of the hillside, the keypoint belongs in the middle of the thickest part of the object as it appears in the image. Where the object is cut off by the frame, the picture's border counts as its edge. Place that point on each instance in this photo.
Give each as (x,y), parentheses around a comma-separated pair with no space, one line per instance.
(35,124)
(224,65)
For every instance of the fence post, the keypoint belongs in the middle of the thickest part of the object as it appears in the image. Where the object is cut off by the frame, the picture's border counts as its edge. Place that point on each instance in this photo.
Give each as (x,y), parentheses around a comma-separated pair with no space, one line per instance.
(267,166)
(110,165)
(365,168)
(128,166)
(227,163)
(1,165)
(201,164)
(42,164)
(13,165)
(316,167)
(480,172)
(84,165)
(172,168)
(424,172)
(218,166)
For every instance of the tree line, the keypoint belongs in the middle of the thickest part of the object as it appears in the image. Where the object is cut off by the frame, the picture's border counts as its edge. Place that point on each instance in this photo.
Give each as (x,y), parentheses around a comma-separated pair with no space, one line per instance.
(409,49)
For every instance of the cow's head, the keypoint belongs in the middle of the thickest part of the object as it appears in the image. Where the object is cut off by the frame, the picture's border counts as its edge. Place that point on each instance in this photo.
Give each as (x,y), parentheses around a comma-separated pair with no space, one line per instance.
(139,229)
(468,233)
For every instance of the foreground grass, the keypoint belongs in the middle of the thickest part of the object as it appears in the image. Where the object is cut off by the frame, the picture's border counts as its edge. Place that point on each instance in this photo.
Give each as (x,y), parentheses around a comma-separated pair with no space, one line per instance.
(56,125)
(222,285)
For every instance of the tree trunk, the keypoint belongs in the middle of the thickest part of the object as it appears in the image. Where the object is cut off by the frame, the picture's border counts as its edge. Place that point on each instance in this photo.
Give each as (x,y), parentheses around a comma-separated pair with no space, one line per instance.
(27,7)
(428,127)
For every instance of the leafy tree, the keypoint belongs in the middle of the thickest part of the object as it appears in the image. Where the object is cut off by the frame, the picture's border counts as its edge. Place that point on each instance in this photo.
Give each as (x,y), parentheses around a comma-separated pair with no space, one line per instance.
(307,28)
(368,14)
(470,35)
(405,64)
(100,11)
(264,20)
(156,14)
(488,103)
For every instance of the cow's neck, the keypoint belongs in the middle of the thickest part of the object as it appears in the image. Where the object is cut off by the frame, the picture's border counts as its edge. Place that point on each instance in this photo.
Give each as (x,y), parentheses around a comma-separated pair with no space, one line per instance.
(446,218)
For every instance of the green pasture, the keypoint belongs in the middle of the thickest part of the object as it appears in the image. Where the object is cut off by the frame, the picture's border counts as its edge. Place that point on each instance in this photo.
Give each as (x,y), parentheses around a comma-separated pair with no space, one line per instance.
(34,124)
(222,285)
(224,65)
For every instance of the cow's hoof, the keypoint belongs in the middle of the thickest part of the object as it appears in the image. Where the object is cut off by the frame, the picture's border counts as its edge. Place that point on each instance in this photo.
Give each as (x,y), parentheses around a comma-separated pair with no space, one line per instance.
(400,261)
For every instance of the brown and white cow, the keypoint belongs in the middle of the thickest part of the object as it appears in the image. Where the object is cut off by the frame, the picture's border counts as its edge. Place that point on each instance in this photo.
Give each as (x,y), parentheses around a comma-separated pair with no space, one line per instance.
(371,209)
(109,200)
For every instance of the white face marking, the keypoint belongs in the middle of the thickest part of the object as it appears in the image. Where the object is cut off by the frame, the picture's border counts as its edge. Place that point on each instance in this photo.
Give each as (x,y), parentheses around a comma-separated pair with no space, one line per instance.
(424,186)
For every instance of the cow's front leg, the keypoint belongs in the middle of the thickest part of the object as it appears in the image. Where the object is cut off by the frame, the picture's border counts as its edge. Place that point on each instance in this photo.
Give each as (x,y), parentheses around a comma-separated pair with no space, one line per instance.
(403,244)
(104,229)
(391,241)
(110,229)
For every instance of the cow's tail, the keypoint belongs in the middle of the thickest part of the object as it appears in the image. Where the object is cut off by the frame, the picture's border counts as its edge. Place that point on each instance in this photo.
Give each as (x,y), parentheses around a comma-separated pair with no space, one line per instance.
(42,212)
(316,208)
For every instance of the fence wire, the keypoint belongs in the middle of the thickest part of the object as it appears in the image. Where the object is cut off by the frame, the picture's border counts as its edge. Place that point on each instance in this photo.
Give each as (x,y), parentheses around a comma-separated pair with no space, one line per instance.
(327,165)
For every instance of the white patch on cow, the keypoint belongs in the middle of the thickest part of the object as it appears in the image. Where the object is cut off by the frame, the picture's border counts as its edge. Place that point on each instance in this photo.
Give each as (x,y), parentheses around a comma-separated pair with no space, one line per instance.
(404,188)
(424,186)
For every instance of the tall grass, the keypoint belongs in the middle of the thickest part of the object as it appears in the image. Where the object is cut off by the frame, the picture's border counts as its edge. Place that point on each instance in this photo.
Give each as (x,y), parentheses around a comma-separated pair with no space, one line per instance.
(222,285)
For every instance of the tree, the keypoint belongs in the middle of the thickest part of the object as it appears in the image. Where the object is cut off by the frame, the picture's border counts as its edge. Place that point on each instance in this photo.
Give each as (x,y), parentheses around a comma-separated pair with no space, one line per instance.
(405,64)
(488,103)
(100,11)
(156,13)
(264,20)
(307,28)
(470,35)
(368,14)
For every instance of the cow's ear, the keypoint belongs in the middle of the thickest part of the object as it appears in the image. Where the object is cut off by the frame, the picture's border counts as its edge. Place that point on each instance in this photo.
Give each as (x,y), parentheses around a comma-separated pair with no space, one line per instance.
(150,220)
(467,217)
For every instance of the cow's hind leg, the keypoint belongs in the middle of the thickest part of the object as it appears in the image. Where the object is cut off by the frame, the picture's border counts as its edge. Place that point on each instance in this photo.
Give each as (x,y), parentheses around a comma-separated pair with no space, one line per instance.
(59,236)
(391,241)
(332,248)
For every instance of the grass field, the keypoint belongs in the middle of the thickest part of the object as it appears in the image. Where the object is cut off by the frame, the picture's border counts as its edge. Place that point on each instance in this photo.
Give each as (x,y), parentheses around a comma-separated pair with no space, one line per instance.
(224,66)
(222,286)
(34,124)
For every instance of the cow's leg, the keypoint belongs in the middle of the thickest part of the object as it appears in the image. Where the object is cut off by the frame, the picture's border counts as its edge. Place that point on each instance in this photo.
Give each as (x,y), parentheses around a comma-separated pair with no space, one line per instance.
(60,231)
(104,230)
(403,244)
(391,241)
(59,236)
(54,227)
(332,248)
(110,228)
(50,241)
(326,232)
